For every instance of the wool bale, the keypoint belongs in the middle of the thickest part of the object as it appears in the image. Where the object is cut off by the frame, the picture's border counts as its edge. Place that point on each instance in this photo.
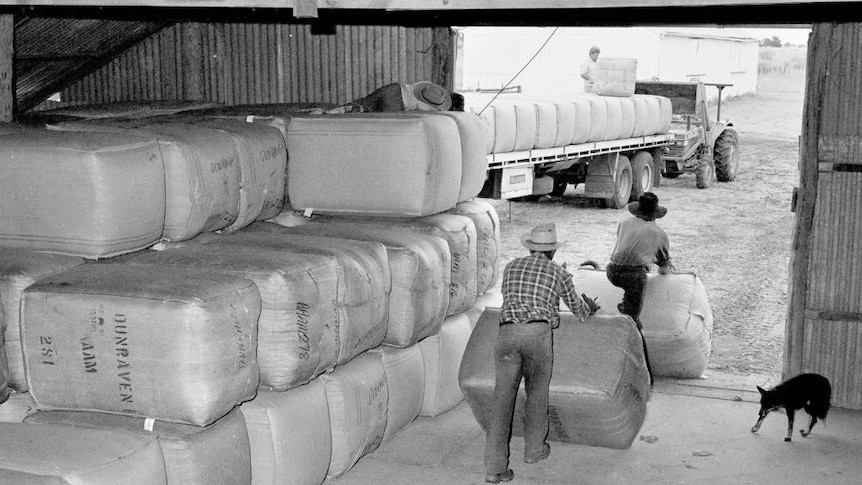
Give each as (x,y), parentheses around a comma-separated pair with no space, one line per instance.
(298,326)
(488,117)
(19,269)
(405,379)
(374,165)
(613,129)
(442,355)
(177,344)
(364,281)
(290,437)
(420,268)
(599,388)
(460,235)
(665,114)
(627,117)
(263,164)
(201,168)
(358,398)
(487,223)
(677,319)
(642,120)
(505,126)
(526,125)
(215,454)
(616,76)
(654,113)
(566,118)
(546,124)
(58,454)
(91,195)
(17,407)
(598,117)
(583,119)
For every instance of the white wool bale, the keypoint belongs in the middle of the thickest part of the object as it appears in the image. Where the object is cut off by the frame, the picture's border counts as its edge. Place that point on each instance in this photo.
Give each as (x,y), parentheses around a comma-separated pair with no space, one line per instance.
(641,115)
(598,118)
(613,128)
(298,326)
(546,124)
(376,165)
(526,125)
(289,434)
(176,344)
(263,164)
(442,355)
(676,317)
(17,407)
(405,379)
(583,119)
(566,118)
(420,268)
(194,455)
(364,281)
(488,118)
(654,114)
(505,126)
(665,114)
(616,76)
(358,398)
(487,223)
(600,383)
(492,299)
(459,232)
(201,169)
(92,195)
(627,125)
(19,269)
(49,453)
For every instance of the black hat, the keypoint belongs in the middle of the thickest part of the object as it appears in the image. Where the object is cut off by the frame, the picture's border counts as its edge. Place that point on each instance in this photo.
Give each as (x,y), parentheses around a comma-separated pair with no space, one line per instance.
(647,207)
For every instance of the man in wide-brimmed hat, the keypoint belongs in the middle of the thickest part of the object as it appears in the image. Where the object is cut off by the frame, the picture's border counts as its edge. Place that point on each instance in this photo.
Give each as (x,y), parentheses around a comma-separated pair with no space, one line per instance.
(418,96)
(640,244)
(532,288)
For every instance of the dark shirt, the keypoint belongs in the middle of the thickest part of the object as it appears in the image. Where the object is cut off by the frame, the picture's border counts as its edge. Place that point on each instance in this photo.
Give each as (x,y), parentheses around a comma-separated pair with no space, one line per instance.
(532,288)
(641,243)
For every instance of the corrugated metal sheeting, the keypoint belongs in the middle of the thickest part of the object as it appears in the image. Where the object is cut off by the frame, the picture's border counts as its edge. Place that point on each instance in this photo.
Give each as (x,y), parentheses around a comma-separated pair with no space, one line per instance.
(260,63)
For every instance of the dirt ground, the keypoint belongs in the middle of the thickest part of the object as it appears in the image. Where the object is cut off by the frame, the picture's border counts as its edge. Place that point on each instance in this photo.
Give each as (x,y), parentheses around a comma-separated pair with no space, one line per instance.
(735,236)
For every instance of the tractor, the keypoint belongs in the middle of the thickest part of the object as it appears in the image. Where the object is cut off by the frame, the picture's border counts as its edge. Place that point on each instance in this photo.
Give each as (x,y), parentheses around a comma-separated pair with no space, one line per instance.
(708,148)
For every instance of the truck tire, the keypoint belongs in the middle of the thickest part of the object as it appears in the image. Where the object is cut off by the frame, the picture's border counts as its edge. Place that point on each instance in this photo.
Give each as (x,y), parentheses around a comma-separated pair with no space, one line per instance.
(560,186)
(643,174)
(622,185)
(704,174)
(726,155)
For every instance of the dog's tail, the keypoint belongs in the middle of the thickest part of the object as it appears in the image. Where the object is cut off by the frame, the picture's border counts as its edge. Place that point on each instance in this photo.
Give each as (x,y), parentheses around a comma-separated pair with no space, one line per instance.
(590,262)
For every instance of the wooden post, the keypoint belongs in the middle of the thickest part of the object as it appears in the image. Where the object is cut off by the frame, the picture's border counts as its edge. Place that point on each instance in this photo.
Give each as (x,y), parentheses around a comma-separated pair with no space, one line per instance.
(7,68)
(442,56)
(192,75)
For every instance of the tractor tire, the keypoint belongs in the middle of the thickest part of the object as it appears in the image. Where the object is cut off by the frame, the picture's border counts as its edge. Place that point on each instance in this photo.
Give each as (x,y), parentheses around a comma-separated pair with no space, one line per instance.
(726,155)
(704,174)
(622,185)
(560,186)
(671,171)
(643,174)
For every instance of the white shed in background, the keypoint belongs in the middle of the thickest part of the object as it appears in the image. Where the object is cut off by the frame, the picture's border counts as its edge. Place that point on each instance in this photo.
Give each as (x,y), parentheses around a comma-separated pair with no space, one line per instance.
(489,57)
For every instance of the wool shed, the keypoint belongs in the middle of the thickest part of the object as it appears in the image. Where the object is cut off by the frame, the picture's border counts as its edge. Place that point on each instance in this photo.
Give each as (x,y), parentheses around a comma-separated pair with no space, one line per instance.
(170,54)
(492,56)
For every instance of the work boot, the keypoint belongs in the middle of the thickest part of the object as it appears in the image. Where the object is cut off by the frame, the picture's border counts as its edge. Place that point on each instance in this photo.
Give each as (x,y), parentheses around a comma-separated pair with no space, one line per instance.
(546,452)
(506,476)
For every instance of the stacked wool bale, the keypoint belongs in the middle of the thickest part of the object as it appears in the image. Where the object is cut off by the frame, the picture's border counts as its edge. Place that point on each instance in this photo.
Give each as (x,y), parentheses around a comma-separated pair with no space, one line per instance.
(519,122)
(676,317)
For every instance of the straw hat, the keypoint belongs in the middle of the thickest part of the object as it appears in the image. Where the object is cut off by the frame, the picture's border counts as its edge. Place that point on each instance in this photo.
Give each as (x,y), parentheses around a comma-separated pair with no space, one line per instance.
(433,95)
(542,238)
(647,207)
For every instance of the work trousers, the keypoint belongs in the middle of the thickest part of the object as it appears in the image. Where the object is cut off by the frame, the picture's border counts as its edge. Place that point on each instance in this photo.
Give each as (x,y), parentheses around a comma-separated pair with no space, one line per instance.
(633,281)
(522,350)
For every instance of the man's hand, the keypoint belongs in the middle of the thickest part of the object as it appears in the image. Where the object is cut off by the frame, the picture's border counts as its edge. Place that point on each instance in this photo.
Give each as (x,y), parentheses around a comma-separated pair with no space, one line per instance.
(594,306)
(667,269)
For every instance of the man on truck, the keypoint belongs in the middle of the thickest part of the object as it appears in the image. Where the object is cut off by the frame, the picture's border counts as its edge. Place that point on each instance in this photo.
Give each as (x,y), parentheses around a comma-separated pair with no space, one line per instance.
(588,69)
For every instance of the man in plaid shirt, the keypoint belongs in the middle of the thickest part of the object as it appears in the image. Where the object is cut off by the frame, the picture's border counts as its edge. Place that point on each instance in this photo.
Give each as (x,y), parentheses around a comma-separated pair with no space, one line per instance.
(532,288)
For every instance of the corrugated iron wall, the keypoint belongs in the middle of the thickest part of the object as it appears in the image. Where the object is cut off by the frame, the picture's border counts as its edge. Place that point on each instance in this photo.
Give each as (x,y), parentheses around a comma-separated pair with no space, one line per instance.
(261,63)
(824,330)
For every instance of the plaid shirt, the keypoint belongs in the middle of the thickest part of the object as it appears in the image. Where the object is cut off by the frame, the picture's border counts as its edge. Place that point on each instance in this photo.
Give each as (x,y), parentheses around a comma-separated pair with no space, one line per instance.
(532,287)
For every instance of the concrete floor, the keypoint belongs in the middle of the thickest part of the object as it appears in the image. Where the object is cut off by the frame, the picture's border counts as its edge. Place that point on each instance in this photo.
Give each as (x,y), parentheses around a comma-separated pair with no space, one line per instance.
(694,433)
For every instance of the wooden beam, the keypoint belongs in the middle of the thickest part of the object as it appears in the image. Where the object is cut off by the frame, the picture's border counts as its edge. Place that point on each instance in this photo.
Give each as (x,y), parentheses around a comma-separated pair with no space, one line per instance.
(7,69)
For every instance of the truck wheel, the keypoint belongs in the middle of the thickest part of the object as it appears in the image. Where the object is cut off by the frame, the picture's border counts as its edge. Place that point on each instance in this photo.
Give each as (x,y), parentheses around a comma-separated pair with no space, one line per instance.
(642,174)
(704,175)
(622,184)
(726,154)
(560,186)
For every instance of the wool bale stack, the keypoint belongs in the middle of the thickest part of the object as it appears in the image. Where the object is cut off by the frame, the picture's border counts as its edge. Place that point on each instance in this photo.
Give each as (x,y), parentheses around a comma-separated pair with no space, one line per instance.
(676,317)
(599,388)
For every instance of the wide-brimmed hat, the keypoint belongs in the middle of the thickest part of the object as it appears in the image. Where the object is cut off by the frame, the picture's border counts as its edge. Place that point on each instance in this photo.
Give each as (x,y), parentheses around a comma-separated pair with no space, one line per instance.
(433,95)
(542,238)
(647,207)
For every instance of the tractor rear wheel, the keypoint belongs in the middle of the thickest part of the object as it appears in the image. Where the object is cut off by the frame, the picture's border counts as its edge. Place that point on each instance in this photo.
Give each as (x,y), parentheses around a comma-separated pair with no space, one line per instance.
(642,174)
(726,155)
